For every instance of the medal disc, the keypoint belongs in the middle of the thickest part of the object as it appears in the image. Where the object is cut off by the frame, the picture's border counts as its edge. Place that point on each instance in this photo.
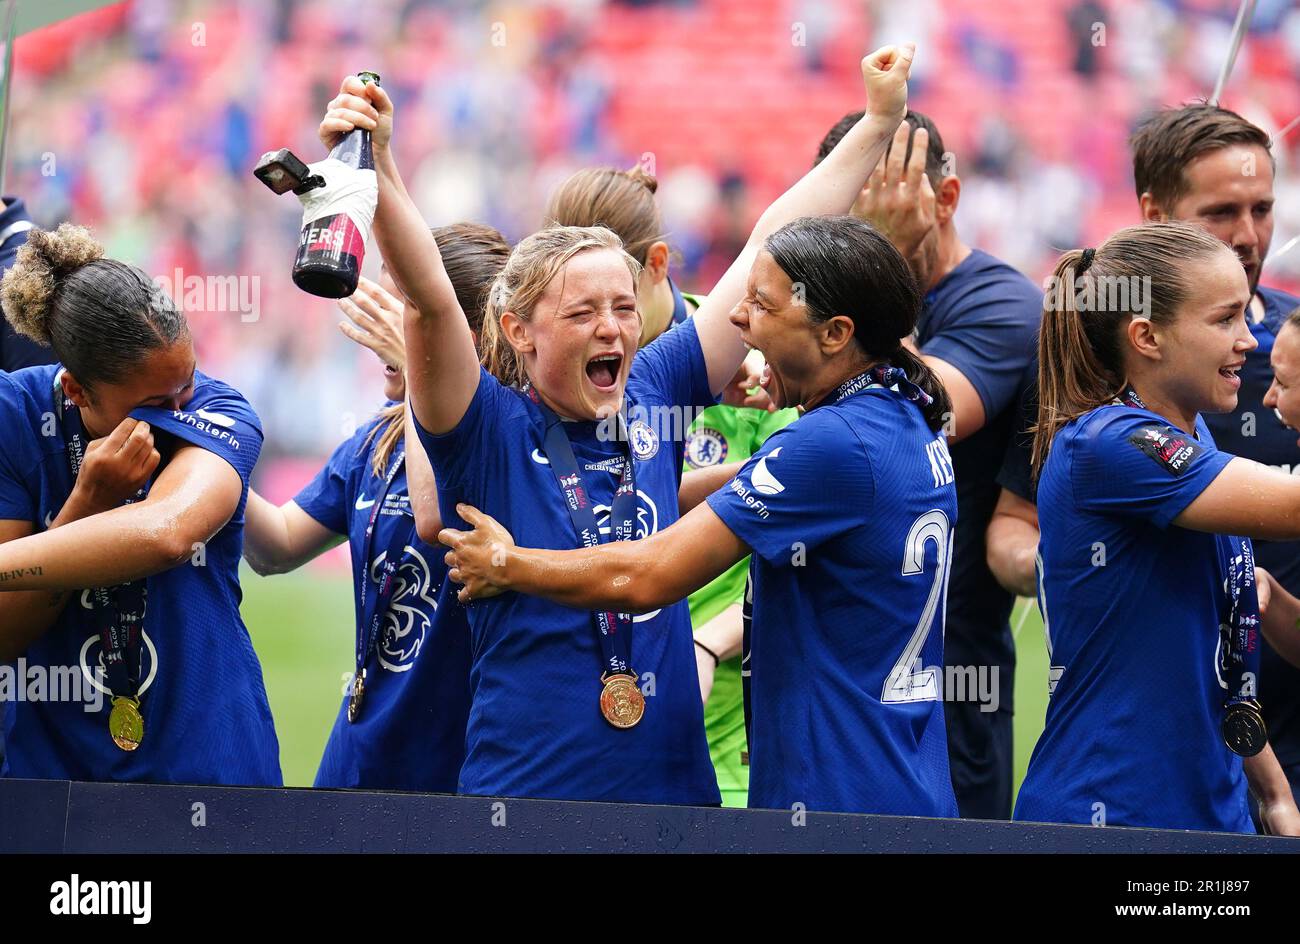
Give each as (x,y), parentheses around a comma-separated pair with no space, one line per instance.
(1243,729)
(354,698)
(621,702)
(125,724)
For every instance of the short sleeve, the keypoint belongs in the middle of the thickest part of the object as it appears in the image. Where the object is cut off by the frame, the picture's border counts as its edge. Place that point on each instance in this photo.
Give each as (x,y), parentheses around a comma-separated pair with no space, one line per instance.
(777,502)
(326,496)
(673,365)
(217,419)
(459,457)
(1135,465)
(989,336)
(1016,473)
(17,459)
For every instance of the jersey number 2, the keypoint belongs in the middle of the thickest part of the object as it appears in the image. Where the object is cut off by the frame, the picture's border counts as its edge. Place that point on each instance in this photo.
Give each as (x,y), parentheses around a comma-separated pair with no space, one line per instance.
(908,680)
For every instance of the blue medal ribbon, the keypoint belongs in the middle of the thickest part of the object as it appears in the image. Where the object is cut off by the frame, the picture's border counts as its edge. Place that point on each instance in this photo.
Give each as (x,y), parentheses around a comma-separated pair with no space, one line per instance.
(613,629)
(118,611)
(1239,652)
(882,375)
(373,609)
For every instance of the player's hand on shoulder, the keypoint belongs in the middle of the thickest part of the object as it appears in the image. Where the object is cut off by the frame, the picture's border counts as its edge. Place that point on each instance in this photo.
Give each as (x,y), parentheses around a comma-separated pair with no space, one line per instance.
(117,466)
(478,557)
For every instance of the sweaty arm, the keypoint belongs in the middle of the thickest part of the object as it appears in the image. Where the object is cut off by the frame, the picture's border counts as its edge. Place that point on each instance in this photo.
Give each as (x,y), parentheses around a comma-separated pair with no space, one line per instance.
(1249,499)
(281,538)
(192,499)
(1011,544)
(624,576)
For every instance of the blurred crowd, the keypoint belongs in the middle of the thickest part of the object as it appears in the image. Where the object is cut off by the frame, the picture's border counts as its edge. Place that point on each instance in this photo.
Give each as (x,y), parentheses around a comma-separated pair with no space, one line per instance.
(144,120)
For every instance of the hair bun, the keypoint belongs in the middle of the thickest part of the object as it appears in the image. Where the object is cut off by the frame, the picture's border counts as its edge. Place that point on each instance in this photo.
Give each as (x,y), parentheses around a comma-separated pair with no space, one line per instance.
(47,258)
(643,177)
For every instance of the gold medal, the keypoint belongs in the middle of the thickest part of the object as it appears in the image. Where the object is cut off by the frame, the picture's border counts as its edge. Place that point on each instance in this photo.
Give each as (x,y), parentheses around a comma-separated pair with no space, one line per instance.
(125,723)
(354,699)
(621,702)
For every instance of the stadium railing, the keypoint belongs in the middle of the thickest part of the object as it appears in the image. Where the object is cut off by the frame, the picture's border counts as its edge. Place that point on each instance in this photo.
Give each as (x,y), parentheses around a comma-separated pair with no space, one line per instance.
(44,816)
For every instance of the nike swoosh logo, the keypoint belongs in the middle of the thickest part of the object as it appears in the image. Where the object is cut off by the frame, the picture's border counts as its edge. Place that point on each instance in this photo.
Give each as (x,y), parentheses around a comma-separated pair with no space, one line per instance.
(539,458)
(762,479)
(362,504)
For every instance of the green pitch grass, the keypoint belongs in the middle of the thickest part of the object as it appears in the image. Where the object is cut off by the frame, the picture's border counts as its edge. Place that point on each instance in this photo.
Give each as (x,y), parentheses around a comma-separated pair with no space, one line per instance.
(302,628)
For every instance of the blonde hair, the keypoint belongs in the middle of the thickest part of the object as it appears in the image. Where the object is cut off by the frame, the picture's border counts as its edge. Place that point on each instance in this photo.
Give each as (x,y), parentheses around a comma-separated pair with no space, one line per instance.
(1081,348)
(518,287)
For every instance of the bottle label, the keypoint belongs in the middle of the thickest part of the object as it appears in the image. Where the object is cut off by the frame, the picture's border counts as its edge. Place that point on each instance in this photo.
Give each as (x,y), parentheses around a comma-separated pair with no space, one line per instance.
(335,234)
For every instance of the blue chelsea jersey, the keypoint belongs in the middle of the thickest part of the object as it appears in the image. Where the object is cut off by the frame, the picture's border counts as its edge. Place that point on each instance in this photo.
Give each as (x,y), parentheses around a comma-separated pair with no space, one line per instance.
(1132,609)
(535,725)
(410,732)
(206,717)
(850,512)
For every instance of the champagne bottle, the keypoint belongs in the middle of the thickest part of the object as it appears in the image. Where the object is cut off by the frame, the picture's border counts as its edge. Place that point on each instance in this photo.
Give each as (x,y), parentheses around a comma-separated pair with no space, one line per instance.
(332,246)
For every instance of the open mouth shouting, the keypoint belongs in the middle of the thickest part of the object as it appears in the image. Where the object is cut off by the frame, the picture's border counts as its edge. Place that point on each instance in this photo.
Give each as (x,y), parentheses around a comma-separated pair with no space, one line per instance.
(603,371)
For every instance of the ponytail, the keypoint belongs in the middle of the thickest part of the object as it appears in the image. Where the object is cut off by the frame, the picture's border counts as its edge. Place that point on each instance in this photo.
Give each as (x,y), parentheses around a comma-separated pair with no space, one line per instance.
(939,412)
(1074,370)
(1140,272)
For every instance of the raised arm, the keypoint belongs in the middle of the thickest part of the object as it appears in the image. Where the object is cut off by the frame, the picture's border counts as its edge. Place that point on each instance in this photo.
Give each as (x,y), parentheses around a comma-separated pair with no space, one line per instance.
(624,576)
(1249,499)
(441,362)
(829,188)
(192,499)
(421,486)
(281,538)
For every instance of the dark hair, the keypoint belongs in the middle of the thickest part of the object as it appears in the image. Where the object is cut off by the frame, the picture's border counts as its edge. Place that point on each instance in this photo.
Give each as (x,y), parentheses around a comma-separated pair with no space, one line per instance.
(1166,142)
(934,151)
(101,317)
(1080,347)
(473,254)
(846,267)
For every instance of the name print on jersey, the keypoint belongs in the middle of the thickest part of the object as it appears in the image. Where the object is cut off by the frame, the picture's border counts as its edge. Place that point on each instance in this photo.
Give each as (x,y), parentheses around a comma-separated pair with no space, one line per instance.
(940,462)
